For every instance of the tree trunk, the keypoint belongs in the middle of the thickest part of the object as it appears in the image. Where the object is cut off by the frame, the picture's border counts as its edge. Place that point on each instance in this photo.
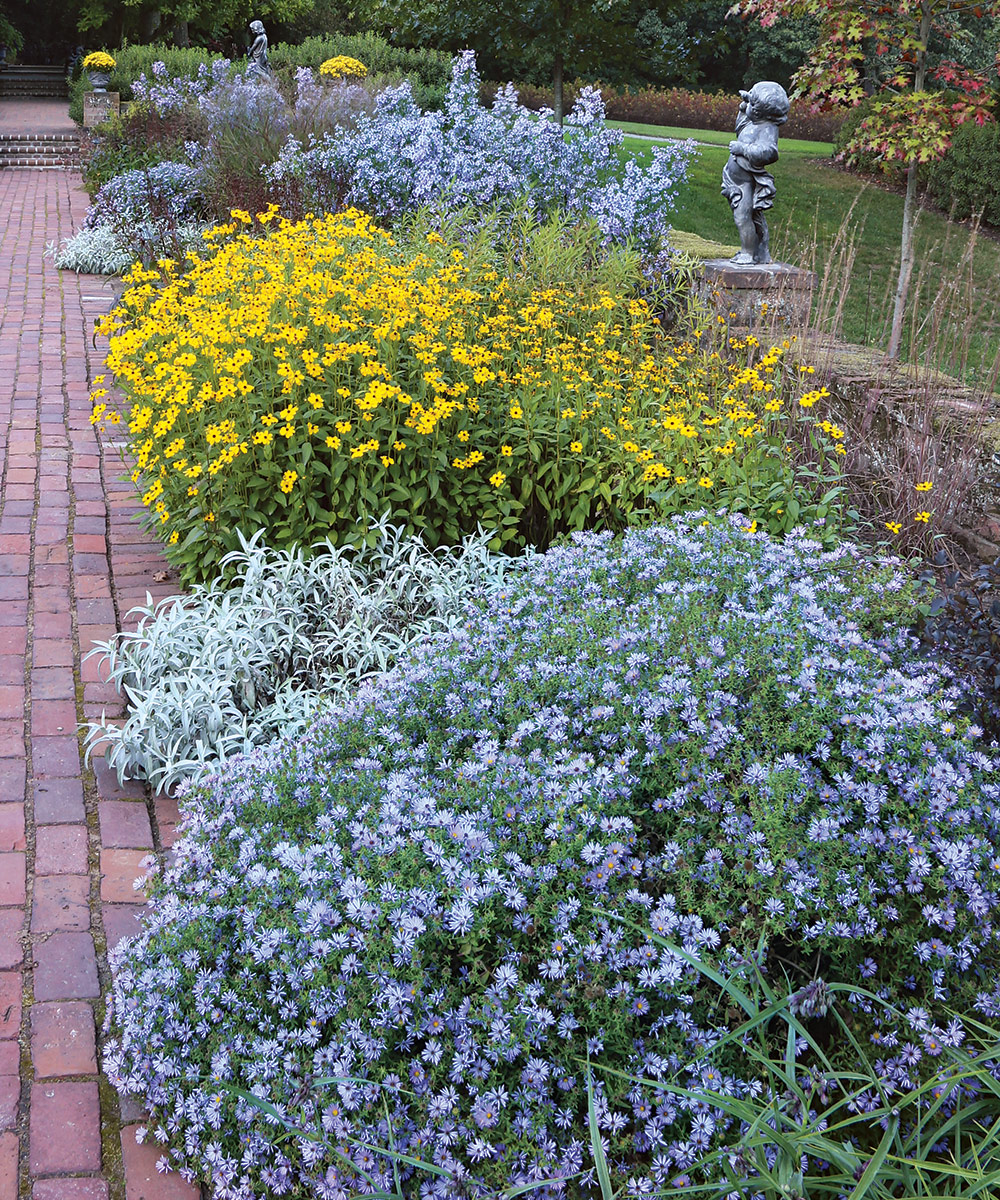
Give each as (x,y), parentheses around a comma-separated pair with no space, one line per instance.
(905,262)
(557,85)
(181,34)
(910,203)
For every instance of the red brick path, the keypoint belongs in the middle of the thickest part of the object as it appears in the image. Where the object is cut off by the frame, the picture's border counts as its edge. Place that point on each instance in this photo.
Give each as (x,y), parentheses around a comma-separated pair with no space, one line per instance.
(72,562)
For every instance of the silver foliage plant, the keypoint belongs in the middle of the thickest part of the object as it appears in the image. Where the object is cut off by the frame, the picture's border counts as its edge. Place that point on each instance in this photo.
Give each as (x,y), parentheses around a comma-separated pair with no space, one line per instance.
(110,250)
(227,668)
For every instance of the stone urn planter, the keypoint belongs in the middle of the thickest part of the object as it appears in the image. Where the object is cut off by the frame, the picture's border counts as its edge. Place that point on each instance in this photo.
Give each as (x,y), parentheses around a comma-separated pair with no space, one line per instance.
(99,80)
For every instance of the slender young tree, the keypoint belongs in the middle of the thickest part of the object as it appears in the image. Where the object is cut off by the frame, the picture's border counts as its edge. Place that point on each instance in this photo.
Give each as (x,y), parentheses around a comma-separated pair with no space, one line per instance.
(913,58)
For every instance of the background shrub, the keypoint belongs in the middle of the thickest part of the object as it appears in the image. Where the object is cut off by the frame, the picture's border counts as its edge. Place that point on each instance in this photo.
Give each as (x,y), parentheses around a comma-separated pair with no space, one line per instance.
(864,161)
(967,180)
(517,852)
(707,110)
(427,70)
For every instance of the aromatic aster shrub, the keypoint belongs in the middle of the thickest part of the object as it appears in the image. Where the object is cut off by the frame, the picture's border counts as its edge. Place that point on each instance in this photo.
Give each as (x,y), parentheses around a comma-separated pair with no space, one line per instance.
(410,927)
(309,376)
(168,193)
(139,216)
(402,158)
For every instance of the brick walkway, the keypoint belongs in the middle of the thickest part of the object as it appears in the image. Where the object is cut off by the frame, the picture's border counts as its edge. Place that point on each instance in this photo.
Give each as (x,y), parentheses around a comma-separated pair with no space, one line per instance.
(72,562)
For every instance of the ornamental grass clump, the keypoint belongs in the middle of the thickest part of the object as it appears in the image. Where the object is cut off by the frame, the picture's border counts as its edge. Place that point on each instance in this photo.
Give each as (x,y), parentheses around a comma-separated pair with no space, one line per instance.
(307,378)
(407,931)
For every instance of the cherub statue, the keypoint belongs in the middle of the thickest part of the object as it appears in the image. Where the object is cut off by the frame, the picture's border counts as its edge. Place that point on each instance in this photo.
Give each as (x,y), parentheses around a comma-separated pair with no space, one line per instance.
(258,51)
(746,184)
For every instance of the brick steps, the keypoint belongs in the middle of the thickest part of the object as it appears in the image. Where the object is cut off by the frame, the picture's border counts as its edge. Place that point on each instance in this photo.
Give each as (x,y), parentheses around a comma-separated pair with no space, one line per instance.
(39,150)
(31,80)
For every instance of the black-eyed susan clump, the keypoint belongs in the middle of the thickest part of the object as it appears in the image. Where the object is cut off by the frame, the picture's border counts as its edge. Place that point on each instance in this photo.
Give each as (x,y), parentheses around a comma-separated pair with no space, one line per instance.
(307,378)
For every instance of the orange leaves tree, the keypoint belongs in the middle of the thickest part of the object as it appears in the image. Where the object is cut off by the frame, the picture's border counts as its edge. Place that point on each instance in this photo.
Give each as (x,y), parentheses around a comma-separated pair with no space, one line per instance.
(906,54)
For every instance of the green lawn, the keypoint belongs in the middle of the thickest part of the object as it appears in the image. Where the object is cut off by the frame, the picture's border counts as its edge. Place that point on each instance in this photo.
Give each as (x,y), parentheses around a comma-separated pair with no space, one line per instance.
(715,137)
(821,213)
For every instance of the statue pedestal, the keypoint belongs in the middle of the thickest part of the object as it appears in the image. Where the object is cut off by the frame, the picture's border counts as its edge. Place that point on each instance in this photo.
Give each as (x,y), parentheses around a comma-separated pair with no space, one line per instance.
(754,294)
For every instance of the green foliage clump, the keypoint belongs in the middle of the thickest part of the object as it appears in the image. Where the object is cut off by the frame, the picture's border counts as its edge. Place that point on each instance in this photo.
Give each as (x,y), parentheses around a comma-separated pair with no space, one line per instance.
(966,181)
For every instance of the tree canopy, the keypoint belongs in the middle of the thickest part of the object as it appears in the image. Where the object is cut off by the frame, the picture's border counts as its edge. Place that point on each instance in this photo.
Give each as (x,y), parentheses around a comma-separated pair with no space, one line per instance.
(558,37)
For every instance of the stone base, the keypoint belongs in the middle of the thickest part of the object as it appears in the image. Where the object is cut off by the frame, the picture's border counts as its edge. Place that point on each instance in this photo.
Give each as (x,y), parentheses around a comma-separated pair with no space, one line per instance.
(98,106)
(756,294)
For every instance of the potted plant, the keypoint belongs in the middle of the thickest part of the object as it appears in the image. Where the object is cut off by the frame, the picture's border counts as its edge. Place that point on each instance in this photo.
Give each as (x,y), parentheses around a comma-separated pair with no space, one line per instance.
(98,66)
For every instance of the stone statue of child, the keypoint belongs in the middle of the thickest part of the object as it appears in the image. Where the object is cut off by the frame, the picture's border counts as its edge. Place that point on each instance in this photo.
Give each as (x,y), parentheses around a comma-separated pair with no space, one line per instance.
(258,51)
(747,186)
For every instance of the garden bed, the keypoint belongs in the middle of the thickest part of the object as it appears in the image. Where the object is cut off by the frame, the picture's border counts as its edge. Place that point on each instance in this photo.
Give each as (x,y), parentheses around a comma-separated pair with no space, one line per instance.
(661,860)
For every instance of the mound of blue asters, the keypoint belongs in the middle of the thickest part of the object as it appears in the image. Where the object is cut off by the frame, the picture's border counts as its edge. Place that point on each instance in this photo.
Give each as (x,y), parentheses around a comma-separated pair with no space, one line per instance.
(413,927)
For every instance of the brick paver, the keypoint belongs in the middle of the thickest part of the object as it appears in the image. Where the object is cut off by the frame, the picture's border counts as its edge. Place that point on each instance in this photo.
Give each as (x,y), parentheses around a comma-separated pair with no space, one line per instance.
(72,562)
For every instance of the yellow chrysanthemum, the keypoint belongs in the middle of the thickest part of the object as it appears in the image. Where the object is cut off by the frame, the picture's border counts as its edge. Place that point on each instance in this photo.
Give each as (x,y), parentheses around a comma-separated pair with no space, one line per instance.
(342,66)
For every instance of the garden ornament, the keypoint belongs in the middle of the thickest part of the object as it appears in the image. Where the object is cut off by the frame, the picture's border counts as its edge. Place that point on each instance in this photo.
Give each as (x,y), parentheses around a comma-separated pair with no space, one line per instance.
(746,184)
(258,51)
